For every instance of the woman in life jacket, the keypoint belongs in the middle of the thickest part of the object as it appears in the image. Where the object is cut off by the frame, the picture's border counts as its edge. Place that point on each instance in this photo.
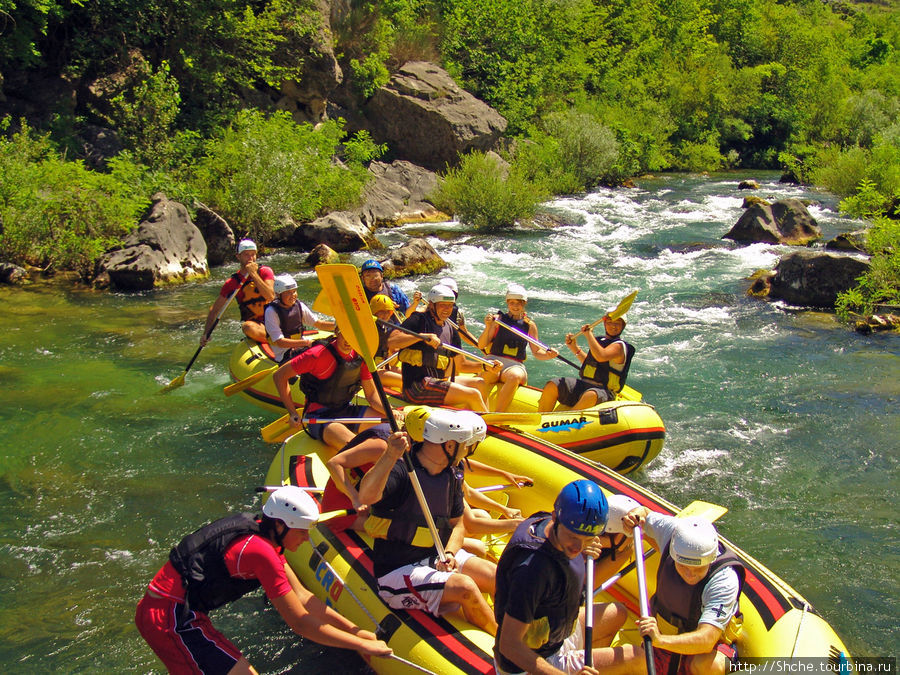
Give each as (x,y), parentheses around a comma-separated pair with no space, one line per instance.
(509,347)
(604,368)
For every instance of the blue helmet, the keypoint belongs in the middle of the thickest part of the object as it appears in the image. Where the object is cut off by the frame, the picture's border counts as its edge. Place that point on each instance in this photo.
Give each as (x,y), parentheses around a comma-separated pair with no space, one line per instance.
(582,508)
(371,264)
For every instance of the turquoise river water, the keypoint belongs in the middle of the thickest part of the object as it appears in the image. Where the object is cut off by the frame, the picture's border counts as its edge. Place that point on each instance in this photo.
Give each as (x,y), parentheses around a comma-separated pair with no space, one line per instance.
(784,416)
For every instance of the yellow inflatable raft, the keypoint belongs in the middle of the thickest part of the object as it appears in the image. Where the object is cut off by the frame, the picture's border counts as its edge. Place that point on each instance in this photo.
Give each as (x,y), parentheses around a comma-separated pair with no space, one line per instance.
(778,622)
(623,434)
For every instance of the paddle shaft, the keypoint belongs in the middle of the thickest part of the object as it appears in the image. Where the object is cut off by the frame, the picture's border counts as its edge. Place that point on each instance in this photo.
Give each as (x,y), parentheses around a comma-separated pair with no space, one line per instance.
(589,613)
(449,348)
(216,323)
(466,335)
(339,279)
(642,594)
(536,343)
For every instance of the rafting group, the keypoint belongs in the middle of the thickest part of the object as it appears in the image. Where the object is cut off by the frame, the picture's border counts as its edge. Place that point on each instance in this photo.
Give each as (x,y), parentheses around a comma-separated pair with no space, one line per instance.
(426,531)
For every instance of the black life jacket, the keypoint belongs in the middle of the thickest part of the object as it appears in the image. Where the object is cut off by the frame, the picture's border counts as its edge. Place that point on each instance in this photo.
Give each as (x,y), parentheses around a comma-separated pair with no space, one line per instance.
(560,613)
(250,301)
(289,318)
(605,373)
(508,344)
(340,387)
(420,360)
(199,559)
(384,290)
(384,332)
(406,523)
(677,601)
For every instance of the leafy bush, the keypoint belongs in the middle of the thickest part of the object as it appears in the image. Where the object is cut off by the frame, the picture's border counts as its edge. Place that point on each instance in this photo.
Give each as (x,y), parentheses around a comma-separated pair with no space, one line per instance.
(57,214)
(881,283)
(483,193)
(575,152)
(261,170)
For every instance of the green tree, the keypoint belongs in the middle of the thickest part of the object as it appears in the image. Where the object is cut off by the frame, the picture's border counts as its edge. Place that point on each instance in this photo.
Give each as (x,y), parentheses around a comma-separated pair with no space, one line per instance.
(262,169)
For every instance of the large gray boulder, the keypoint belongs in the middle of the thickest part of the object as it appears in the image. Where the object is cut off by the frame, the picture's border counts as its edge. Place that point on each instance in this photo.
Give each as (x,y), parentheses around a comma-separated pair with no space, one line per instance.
(398,195)
(342,231)
(218,235)
(416,256)
(165,248)
(810,279)
(787,221)
(426,118)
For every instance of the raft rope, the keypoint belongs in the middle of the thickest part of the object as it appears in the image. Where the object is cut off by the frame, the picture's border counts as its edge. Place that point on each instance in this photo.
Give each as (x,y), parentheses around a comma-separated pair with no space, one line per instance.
(806,609)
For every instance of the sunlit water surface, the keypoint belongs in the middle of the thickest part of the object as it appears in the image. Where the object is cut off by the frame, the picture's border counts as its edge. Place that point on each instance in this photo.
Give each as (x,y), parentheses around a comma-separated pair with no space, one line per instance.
(782,415)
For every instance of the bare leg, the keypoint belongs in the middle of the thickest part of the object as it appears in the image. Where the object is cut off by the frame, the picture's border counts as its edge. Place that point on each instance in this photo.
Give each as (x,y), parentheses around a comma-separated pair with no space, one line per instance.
(549,396)
(463,590)
(242,667)
(483,573)
(465,397)
(512,379)
(255,331)
(587,400)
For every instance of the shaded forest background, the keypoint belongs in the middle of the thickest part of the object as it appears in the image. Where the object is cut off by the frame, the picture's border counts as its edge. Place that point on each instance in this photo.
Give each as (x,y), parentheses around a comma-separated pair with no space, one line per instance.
(594,93)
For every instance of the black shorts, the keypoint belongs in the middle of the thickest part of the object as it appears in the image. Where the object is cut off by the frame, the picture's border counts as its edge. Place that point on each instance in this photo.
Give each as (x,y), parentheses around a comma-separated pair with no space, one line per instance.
(571,389)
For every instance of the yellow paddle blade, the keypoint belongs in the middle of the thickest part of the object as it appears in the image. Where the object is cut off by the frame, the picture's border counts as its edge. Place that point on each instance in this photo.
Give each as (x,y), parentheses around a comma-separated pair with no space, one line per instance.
(700,509)
(623,306)
(278,430)
(174,384)
(238,387)
(350,309)
(322,304)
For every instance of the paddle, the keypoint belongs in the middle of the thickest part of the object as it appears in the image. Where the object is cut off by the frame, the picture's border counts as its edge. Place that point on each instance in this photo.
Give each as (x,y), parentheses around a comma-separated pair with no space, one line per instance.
(179,381)
(277,431)
(589,613)
(238,387)
(642,595)
(620,310)
(449,348)
(351,311)
(536,343)
(466,335)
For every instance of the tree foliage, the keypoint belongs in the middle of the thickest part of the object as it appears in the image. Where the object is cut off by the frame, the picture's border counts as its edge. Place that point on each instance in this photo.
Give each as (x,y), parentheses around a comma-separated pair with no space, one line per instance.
(261,170)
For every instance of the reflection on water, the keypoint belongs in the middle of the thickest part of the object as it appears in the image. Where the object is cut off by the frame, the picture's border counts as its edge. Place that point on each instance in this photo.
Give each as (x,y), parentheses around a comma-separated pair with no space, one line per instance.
(783,416)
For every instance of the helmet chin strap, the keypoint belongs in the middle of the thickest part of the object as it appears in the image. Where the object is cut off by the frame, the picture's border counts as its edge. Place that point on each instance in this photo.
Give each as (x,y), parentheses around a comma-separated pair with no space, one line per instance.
(450,456)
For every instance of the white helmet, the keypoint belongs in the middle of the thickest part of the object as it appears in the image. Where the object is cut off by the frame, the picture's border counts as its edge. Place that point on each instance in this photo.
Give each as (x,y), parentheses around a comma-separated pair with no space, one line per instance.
(516,292)
(695,542)
(441,293)
(445,425)
(619,505)
(284,282)
(292,506)
(479,426)
(450,283)
(246,245)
